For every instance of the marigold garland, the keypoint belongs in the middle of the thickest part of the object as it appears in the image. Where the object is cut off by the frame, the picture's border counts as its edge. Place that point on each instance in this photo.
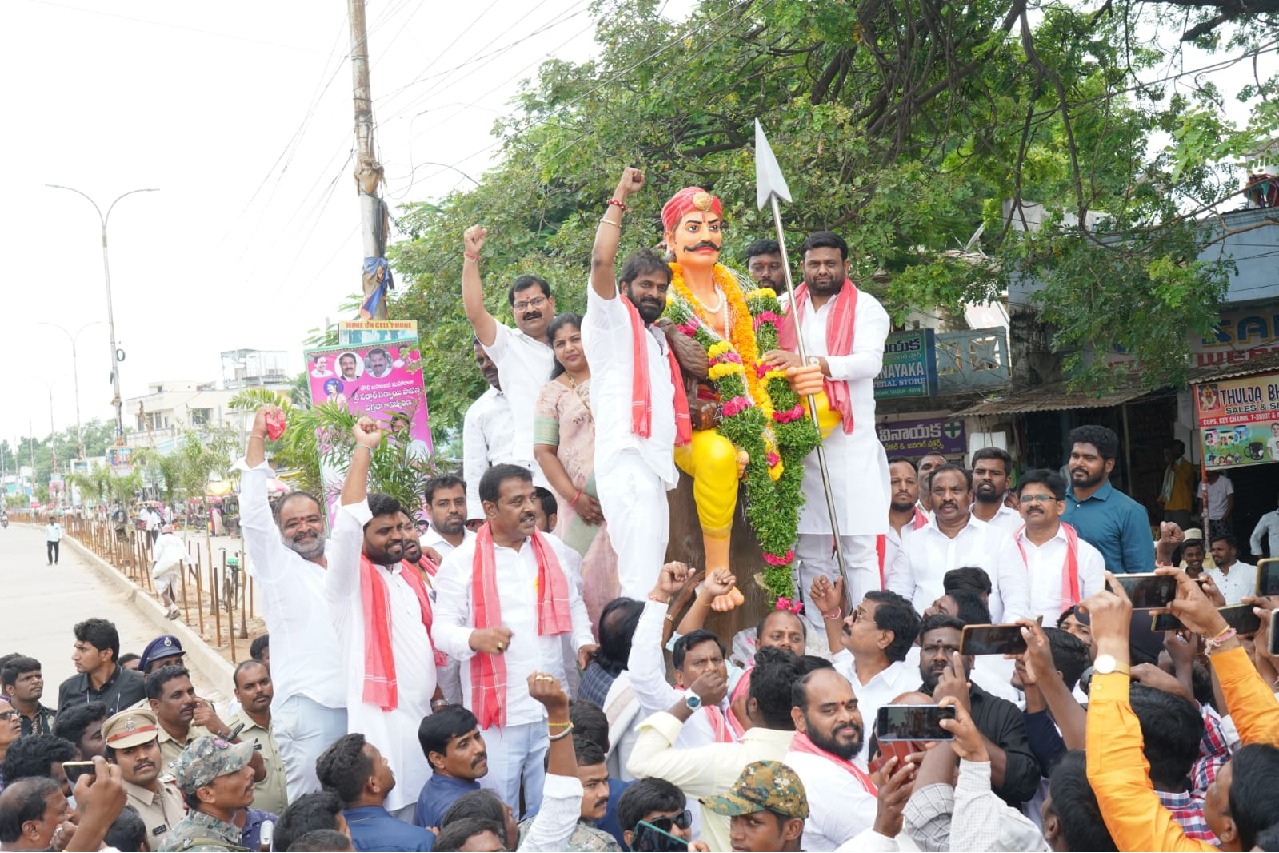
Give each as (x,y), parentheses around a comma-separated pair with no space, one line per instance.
(760,413)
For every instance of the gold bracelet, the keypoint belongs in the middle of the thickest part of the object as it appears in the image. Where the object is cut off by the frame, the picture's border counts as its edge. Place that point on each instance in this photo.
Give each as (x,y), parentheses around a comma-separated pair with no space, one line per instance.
(567,731)
(560,725)
(604,221)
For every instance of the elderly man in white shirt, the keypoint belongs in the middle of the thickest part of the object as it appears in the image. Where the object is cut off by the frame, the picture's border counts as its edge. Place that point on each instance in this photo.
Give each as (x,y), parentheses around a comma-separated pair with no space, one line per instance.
(1063,568)
(992,468)
(504,603)
(523,355)
(488,433)
(1234,579)
(954,539)
(636,428)
(829,735)
(287,560)
(381,611)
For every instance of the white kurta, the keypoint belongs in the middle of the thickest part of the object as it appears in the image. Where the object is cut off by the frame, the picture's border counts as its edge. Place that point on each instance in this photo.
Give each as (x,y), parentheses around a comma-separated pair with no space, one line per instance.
(839,806)
(394,732)
(927,554)
(857,462)
(523,367)
(1006,519)
(488,438)
(1046,564)
(528,652)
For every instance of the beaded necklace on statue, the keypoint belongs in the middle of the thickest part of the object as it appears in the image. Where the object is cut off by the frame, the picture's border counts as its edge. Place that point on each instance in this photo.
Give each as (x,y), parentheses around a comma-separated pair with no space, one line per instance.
(718,312)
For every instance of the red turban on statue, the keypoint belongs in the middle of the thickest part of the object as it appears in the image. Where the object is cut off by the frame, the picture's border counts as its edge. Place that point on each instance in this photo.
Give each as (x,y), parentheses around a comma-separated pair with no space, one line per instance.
(689,198)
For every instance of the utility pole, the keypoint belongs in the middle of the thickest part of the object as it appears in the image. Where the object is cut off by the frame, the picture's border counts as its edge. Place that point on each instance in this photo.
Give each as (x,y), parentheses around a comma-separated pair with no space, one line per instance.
(376,279)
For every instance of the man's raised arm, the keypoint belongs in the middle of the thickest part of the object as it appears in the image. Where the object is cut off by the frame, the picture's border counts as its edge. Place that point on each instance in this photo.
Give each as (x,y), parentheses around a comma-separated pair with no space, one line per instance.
(473,286)
(342,580)
(608,236)
(261,536)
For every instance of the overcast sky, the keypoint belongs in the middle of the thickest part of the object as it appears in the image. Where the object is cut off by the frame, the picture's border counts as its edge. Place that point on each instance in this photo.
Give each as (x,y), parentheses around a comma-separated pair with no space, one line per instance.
(240,113)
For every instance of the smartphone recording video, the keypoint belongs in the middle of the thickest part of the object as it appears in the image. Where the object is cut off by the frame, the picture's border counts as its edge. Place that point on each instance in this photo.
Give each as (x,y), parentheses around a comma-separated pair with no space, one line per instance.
(992,640)
(1160,622)
(1268,577)
(913,722)
(1147,591)
(76,769)
(1241,618)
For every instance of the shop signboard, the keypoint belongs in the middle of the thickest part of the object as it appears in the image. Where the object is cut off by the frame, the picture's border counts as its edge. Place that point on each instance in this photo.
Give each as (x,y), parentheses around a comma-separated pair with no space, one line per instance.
(1238,421)
(917,438)
(910,366)
(370,332)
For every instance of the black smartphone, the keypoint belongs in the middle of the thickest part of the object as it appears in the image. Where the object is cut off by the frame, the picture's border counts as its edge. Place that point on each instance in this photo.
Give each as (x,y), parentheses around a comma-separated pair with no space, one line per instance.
(1165,622)
(1241,618)
(913,722)
(992,640)
(1146,591)
(1274,633)
(651,838)
(1268,577)
(76,769)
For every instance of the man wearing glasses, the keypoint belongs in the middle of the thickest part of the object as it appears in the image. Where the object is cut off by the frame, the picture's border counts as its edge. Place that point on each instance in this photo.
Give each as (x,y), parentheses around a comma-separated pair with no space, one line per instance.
(654,804)
(1063,569)
(523,355)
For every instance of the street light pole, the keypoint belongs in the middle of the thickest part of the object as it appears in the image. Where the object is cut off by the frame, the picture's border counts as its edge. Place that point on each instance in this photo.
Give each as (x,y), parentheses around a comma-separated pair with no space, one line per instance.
(106,270)
(75,375)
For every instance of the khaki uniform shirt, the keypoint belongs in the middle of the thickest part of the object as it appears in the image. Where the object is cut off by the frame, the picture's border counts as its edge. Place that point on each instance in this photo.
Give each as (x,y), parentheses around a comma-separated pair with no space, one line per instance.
(270,794)
(170,748)
(160,812)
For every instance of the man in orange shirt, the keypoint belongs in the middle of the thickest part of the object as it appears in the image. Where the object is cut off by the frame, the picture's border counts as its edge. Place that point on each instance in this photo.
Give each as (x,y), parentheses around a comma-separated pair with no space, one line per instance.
(1117,769)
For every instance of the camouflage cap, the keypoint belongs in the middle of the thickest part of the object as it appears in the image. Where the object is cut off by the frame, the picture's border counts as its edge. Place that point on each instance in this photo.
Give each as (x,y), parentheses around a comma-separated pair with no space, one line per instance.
(763,785)
(129,728)
(207,758)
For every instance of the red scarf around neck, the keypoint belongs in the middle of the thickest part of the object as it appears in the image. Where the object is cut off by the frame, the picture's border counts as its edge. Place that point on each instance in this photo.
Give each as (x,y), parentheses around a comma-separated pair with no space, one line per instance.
(380,685)
(488,672)
(839,340)
(642,389)
(1070,577)
(802,743)
(431,570)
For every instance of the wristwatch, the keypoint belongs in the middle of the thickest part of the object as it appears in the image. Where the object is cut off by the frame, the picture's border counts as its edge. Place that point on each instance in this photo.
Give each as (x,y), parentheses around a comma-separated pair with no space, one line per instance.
(692,701)
(1106,664)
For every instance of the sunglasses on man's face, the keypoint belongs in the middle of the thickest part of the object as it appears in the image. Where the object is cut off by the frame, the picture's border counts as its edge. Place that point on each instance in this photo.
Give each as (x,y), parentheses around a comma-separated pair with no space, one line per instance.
(683,820)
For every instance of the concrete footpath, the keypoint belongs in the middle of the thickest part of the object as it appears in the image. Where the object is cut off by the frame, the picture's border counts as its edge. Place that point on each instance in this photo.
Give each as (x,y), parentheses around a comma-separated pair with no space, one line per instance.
(40,604)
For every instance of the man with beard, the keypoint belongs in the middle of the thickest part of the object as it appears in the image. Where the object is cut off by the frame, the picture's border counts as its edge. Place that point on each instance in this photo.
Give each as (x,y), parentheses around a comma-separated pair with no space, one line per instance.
(954,538)
(510,581)
(488,433)
(383,616)
(904,514)
(992,468)
(1014,772)
(446,510)
(454,747)
(764,264)
(286,552)
(929,463)
(523,355)
(1063,569)
(637,397)
(829,735)
(132,746)
(254,691)
(844,330)
(1115,524)
(428,566)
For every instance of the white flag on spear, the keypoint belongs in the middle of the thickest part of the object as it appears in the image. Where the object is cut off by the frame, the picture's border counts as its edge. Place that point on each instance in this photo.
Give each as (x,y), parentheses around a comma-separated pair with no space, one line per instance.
(770,185)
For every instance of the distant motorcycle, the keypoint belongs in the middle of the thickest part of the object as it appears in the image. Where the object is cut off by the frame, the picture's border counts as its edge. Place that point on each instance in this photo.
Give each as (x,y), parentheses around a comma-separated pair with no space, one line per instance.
(4,522)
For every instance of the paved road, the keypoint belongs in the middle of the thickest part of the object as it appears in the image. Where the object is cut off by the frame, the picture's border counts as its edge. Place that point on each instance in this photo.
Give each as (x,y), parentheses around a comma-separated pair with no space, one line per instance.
(41,603)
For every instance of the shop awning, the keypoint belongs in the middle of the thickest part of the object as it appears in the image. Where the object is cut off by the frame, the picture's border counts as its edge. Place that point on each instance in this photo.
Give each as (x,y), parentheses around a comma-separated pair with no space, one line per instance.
(1049,398)
(1268,363)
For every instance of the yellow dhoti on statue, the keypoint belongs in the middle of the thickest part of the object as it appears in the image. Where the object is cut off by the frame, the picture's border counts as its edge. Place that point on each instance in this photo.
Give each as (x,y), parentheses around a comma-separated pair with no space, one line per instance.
(711,460)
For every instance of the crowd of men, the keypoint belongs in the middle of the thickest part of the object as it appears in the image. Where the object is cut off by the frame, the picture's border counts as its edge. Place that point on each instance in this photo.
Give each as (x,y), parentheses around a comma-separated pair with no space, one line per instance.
(449,690)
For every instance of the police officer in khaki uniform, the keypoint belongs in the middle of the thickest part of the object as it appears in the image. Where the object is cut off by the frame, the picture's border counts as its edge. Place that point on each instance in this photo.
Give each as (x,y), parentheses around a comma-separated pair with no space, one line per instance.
(131,740)
(254,691)
(216,781)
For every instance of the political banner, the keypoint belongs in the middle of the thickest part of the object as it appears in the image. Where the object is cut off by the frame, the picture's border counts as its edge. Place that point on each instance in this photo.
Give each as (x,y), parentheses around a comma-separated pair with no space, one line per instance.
(917,438)
(1238,421)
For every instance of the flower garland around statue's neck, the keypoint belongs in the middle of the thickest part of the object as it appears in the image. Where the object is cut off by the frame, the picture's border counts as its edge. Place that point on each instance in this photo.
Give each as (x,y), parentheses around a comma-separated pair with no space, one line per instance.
(758,413)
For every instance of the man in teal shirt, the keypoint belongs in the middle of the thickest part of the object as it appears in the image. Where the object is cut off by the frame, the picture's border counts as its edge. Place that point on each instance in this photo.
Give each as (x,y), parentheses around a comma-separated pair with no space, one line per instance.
(1110,521)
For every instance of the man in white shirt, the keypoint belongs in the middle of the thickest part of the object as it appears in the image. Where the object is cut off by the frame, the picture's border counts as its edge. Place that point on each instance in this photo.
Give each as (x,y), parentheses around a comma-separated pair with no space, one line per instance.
(287,559)
(871,647)
(992,467)
(1234,579)
(523,355)
(954,539)
(706,771)
(519,580)
(380,610)
(844,330)
(829,735)
(1218,496)
(1063,568)
(634,450)
(52,540)
(1267,529)
(445,508)
(488,433)
(904,514)
(169,556)
(928,463)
